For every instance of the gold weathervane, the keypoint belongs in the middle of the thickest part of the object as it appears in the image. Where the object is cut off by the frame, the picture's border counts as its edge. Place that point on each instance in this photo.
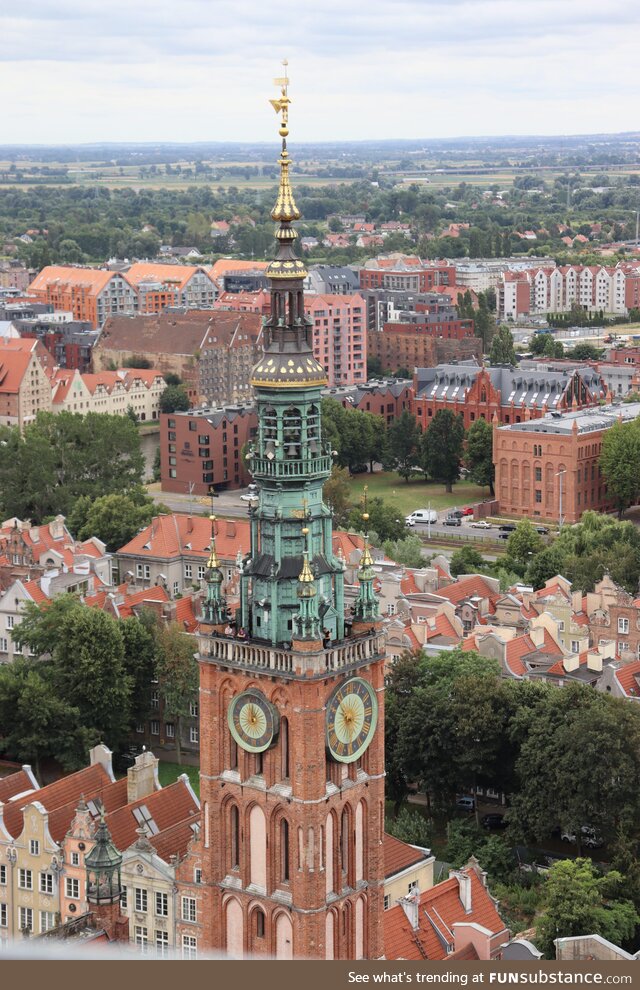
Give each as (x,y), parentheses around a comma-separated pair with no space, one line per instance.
(366,560)
(213,561)
(285,209)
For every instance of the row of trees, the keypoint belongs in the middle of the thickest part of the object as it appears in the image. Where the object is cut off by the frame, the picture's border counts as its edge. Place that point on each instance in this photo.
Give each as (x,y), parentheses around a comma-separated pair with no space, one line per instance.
(88,679)
(362,439)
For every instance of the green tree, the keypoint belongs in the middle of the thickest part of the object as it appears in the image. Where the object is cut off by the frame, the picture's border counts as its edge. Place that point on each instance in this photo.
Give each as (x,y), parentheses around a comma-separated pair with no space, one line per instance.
(384,520)
(36,724)
(412,827)
(404,445)
(620,463)
(174,399)
(502,349)
(467,560)
(336,493)
(374,367)
(443,447)
(484,322)
(579,901)
(553,348)
(114,519)
(479,454)
(539,342)
(407,551)
(523,544)
(140,661)
(172,379)
(177,674)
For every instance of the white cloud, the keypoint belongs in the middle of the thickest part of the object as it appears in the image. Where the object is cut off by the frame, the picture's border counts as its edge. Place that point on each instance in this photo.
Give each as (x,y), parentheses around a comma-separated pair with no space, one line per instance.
(80,70)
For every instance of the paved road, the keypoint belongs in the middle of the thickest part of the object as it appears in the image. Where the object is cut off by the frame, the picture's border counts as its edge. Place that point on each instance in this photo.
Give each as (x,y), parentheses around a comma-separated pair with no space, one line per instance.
(226,504)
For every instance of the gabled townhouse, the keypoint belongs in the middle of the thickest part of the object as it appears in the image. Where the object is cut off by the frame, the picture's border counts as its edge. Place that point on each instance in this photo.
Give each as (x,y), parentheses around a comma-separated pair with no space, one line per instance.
(113,392)
(25,390)
(161,285)
(90,294)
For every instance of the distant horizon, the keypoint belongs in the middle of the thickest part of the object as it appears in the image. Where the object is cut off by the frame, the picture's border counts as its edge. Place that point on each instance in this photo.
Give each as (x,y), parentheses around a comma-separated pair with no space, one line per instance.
(79,72)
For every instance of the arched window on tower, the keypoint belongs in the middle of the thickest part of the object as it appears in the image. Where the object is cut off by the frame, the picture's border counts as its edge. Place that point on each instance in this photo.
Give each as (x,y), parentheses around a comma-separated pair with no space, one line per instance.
(234,845)
(284,850)
(284,748)
(344,846)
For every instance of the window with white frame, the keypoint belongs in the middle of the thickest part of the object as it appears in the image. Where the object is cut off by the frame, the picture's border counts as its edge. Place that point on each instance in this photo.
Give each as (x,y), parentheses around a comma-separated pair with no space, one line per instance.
(11,621)
(387,901)
(201,572)
(141,899)
(622,646)
(193,709)
(155,699)
(123,897)
(162,904)
(3,875)
(142,938)
(155,727)
(34,847)
(26,919)
(140,727)
(47,921)
(194,735)
(176,588)
(75,859)
(575,646)
(197,876)
(4,644)
(188,572)
(72,887)
(623,625)
(46,883)
(411,886)
(189,947)
(4,916)
(25,879)
(188,909)
(162,945)
(391,608)
(169,730)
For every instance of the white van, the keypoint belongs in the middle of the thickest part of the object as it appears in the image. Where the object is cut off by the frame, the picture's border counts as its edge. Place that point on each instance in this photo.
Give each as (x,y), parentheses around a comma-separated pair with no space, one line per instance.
(422,516)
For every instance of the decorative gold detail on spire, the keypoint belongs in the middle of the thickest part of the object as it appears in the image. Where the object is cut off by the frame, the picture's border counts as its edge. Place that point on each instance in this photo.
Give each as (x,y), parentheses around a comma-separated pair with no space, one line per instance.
(285,209)
(306,574)
(366,560)
(213,561)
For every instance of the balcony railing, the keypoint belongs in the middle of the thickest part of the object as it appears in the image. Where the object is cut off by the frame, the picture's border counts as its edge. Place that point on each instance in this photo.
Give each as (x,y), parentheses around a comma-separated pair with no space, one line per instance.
(291,467)
(256,655)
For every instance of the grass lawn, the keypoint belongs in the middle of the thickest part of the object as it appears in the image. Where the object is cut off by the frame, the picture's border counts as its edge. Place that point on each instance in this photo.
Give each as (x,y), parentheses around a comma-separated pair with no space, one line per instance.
(169,772)
(414,494)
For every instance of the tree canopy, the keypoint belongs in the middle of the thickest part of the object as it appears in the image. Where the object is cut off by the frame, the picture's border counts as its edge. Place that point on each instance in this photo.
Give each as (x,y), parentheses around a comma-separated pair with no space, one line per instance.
(479,454)
(443,447)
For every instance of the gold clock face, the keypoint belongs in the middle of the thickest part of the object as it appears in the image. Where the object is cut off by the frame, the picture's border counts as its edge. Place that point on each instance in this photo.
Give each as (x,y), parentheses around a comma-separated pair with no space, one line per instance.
(352,716)
(253,721)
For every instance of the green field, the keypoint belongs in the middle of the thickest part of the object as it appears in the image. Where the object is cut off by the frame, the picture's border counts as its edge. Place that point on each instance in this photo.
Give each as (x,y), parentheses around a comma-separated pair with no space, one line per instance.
(169,772)
(415,494)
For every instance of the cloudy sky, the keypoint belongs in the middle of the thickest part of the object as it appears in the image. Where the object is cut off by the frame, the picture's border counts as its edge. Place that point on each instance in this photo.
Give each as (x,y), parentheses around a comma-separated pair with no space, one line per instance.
(188,70)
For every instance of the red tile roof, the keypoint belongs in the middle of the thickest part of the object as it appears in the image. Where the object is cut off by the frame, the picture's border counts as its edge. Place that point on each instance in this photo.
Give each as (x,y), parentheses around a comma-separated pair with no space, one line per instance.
(167,807)
(399,855)
(440,908)
(176,276)
(93,279)
(111,797)
(91,781)
(468,587)
(627,678)
(174,841)
(15,783)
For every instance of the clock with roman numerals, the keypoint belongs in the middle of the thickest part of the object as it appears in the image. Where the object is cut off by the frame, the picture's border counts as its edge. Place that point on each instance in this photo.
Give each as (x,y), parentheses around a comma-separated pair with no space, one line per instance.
(352,715)
(253,721)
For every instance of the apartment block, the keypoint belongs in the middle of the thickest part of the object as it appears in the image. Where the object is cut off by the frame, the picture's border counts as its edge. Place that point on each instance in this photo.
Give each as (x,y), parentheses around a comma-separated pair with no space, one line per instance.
(90,294)
(202,449)
(160,286)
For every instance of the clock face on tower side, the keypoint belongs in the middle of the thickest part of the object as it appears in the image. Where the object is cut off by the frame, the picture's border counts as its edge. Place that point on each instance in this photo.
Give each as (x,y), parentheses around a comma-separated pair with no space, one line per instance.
(352,715)
(253,721)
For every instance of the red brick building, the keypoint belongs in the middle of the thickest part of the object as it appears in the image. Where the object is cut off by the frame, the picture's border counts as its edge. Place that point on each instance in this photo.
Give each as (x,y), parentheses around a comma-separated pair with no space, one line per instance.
(202,448)
(416,345)
(545,460)
(406,272)
(511,395)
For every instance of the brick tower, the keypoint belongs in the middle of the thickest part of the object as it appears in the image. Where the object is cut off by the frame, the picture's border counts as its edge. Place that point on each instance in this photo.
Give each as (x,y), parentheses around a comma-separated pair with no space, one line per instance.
(292,707)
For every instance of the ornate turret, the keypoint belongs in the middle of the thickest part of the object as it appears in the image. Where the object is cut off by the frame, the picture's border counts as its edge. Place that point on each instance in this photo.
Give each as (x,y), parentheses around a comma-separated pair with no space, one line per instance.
(307,621)
(366,608)
(103,864)
(214,607)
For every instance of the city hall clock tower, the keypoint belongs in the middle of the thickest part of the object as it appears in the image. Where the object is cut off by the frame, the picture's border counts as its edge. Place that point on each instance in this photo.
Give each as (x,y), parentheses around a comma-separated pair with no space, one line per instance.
(291,700)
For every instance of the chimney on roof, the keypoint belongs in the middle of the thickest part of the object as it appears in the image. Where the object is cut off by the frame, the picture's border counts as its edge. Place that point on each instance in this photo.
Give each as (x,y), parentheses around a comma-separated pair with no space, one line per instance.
(536,634)
(464,888)
(410,904)
(189,524)
(142,777)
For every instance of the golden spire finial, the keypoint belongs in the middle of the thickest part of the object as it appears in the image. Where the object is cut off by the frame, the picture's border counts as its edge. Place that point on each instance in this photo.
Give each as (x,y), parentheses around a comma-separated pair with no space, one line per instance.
(285,209)
(366,560)
(306,574)
(213,561)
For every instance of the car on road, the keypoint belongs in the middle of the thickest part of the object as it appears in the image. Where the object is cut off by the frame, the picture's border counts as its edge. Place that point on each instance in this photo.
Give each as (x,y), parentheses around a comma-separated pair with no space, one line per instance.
(507,527)
(466,803)
(481,524)
(452,521)
(467,510)
(249,497)
(588,837)
(458,513)
(542,530)
(493,820)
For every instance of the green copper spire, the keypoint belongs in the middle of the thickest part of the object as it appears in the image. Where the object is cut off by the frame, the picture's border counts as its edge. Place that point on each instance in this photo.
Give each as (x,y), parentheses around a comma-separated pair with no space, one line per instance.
(366,605)
(291,527)
(214,607)
(103,865)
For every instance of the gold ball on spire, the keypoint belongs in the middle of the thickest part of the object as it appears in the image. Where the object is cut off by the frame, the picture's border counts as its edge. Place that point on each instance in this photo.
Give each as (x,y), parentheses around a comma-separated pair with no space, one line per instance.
(365,516)
(305,531)
(212,518)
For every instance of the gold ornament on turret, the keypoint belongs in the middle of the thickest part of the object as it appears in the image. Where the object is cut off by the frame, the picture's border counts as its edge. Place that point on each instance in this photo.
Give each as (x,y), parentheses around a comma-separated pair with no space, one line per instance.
(213,561)
(285,209)
(366,560)
(306,577)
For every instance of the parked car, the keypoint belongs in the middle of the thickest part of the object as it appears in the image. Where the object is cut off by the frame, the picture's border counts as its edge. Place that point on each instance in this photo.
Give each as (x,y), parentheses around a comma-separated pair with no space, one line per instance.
(466,803)
(542,530)
(589,837)
(481,524)
(493,820)
(422,516)
(458,513)
(467,511)
(507,527)
(452,521)
(249,497)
